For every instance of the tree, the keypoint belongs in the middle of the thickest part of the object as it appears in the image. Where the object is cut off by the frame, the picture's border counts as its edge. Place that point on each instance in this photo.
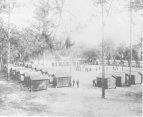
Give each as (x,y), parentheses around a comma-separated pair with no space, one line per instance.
(45,13)
(3,45)
(102,3)
(109,48)
(137,5)
(91,54)
(126,55)
(7,7)
(140,44)
(120,50)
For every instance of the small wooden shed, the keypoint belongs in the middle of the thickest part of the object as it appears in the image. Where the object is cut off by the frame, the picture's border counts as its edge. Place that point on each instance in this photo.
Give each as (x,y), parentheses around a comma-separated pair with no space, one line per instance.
(109,80)
(50,72)
(136,77)
(20,73)
(121,78)
(37,82)
(27,75)
(61,79)
(13,72)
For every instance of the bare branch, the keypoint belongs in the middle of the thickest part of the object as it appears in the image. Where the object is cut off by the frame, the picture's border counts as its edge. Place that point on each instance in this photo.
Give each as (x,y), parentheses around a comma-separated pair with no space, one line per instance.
(70,13)
(57,29)
(60,10)
(108,10)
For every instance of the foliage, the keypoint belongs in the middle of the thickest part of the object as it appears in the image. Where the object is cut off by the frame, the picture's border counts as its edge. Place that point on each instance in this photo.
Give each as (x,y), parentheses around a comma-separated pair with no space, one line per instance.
(123,53)
(120,50)
(91,54)
(137,5)
(109,48)
(29,42)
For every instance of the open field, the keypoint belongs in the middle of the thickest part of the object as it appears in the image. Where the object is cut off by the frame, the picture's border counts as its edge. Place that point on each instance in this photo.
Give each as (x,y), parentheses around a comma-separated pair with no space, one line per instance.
(70,101)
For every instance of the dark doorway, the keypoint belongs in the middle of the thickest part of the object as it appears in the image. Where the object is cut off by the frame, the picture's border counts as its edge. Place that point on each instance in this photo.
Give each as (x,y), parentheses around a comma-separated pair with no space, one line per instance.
(141,77)
(132,79)
(100,81)
(118,82)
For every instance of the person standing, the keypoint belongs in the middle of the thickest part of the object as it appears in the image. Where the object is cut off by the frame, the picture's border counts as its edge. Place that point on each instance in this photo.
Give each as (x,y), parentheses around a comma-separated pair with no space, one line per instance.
(93,82)
(70,83)
(77,82)
(73,83)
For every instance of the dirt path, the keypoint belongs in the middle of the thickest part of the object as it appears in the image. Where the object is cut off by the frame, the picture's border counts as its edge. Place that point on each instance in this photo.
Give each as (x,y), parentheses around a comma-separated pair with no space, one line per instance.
(83,101)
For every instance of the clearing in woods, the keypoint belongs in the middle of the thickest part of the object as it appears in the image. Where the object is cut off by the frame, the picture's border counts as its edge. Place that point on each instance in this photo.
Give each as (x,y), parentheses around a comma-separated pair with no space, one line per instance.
(70,101)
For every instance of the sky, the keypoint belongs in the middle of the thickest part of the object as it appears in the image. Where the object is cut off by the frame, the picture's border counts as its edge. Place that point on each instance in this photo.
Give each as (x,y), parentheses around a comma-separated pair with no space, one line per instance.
(87,17)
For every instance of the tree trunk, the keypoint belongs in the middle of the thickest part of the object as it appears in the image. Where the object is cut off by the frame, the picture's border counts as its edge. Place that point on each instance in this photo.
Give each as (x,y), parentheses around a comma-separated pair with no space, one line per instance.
(8,60)
(130,72)
(70,58)
(8,52)
(44,58)
(38,58)
(1,61)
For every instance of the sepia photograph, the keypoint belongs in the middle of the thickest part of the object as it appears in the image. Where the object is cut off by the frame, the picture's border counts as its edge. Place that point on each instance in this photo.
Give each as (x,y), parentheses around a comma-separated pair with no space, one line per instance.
(71,58)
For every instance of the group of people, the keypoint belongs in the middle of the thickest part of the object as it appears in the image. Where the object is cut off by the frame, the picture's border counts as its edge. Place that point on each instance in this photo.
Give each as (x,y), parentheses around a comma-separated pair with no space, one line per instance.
(73,83)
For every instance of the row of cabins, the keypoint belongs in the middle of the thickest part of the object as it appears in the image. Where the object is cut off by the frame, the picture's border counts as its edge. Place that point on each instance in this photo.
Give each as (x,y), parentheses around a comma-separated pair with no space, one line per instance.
(65,61)
(120,78)
(106,62)
(122,63)
(62,61)
(35,77)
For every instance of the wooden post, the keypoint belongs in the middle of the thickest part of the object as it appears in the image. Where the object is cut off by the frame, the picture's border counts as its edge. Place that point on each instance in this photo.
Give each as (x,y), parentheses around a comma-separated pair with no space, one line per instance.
(130,43)
(103,66)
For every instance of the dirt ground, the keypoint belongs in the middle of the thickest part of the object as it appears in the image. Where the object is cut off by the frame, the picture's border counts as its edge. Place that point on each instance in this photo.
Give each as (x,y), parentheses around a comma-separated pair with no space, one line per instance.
(86,100)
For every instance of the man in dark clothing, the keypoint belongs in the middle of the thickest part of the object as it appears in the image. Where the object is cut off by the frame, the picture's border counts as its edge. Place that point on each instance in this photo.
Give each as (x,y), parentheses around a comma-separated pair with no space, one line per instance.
(73,83)
(77,82)
(93,82)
